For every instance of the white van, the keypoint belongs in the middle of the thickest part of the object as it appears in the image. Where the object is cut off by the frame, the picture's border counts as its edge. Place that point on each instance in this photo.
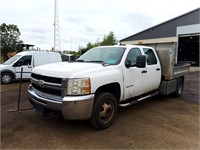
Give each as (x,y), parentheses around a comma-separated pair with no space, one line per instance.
(11,69)
(68,57)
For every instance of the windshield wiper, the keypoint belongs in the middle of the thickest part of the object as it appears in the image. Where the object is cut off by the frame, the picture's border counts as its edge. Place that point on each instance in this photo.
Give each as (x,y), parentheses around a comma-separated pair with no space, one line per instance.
(80,60)
(98,61)
(93,61)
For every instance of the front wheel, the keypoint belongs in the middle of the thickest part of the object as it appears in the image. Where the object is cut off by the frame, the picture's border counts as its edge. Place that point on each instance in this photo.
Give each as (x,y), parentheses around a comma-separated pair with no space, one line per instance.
(104,111)
(6,78)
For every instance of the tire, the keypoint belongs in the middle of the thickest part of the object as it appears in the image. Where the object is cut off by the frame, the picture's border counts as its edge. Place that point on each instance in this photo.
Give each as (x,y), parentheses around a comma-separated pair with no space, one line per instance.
(6,78)
(179,88)
(104,111)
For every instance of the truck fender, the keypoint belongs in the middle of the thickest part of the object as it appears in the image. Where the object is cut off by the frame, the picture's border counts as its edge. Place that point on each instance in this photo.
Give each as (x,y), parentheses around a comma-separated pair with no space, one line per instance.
(113,88)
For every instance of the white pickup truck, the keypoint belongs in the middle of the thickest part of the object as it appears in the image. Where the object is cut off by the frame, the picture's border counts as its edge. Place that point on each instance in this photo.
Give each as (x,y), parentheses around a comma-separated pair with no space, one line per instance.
(103,79)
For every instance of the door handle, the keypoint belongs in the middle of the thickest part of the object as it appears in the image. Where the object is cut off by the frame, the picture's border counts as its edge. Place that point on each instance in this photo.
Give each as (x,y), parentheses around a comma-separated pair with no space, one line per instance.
(30,67)
(157,69)
(144,71)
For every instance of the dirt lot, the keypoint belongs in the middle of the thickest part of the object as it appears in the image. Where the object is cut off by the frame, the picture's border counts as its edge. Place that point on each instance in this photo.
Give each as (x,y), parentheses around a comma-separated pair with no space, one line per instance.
(156,123)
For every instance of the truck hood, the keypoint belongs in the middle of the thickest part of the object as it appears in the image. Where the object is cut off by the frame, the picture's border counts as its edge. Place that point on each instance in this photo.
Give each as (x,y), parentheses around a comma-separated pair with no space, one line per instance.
(69,70)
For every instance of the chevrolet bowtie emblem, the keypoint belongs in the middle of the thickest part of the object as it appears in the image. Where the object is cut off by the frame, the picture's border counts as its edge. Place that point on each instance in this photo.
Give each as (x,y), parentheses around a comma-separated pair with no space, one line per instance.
(41,83)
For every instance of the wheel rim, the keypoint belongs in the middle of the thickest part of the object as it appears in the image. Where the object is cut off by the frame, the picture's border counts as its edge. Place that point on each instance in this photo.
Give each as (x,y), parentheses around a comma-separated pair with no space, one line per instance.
(6,78)
(107,111)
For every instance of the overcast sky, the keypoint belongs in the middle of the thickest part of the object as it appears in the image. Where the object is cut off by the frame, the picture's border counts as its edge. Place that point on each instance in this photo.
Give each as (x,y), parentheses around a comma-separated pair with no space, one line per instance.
(83,21)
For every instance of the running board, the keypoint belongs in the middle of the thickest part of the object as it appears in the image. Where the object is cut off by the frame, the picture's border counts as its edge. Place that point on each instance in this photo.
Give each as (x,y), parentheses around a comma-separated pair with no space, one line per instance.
(137,100)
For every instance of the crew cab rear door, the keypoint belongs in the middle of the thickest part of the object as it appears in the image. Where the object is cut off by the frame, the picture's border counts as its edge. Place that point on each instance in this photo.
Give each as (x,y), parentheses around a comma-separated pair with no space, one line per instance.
(153,70)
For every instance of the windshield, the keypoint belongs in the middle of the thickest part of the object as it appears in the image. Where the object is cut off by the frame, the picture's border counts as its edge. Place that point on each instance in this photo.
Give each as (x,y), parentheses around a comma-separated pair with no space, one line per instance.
(106,55)
(12,60)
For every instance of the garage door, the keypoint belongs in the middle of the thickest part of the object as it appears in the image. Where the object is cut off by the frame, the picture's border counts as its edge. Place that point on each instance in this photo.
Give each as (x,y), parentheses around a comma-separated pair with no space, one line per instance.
(188,49)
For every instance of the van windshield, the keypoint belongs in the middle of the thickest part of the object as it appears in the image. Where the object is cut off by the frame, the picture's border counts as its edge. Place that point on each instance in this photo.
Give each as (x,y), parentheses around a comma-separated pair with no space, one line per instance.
(12,60)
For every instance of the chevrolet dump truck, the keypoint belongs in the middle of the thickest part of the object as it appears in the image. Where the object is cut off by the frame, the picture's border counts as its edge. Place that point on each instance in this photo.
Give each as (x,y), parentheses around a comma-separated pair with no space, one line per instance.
(103,79)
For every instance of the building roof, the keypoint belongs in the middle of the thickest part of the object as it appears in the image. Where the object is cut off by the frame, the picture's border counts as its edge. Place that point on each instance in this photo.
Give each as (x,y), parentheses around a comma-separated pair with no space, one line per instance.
(168,28)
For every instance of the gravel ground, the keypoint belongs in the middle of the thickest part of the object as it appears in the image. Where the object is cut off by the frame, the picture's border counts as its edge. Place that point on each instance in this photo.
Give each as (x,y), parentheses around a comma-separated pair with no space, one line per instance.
(156,123)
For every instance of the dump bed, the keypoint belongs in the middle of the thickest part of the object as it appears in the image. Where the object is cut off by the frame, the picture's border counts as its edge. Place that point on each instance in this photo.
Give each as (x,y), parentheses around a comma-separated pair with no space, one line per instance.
(169,69)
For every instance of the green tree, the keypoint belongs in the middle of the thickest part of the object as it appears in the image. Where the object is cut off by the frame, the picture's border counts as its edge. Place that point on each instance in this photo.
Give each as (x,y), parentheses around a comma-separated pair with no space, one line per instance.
(91,45)
(109,39)
(9,39)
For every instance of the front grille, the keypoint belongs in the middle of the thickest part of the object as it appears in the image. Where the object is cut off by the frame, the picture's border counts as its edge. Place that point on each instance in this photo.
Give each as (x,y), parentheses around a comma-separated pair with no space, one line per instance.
(47,87)
(47,79)
(47,90)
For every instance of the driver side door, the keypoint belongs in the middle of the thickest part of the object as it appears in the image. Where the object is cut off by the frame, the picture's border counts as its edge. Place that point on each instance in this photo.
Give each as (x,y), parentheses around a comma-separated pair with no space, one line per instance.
(133,76)
(24,62)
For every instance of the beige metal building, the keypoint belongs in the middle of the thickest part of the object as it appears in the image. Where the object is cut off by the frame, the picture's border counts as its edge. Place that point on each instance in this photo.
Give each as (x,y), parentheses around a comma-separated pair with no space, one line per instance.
(180,34)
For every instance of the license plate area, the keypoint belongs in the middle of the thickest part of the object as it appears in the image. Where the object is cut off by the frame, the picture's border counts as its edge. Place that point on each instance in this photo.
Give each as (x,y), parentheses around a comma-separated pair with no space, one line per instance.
(40,110)
(48,112)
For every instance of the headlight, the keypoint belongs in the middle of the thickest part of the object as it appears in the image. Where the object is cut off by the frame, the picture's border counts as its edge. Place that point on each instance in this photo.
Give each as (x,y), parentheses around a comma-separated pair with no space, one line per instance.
(78,86)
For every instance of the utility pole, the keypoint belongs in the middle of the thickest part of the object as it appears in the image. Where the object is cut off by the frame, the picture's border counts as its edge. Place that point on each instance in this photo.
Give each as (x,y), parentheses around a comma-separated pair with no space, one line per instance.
(57,46)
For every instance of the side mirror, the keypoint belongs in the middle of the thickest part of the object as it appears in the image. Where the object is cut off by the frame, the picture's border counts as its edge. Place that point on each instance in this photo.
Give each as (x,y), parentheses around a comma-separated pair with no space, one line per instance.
(128,64)
(17,64)
(141,61)
(77,56)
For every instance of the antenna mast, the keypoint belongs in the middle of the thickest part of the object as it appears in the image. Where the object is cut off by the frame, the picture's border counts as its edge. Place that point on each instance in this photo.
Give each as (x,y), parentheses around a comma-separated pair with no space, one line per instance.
(57,46)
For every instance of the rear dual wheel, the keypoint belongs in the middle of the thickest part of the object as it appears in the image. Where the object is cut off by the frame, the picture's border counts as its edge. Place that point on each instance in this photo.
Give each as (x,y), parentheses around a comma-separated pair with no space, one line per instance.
(179,87)
(104,112)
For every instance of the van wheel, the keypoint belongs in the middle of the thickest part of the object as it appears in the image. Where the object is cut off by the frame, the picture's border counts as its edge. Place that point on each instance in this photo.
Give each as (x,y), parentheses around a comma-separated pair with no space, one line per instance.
(104,111)
(179,87)
(6,78)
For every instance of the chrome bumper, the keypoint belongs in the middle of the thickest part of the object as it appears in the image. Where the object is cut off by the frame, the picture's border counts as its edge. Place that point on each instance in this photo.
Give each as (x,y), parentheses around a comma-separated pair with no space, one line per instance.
(72,107)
